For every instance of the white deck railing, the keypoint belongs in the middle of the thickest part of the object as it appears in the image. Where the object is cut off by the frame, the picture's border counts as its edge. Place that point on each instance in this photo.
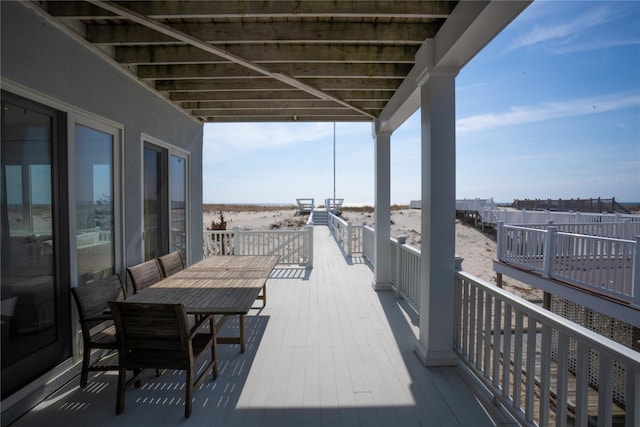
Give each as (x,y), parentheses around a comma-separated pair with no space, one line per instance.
(348,236)
(492,338)
(405,270)
(293,246)
(617,230)
(604,265)
(405,265)
(525,217)
(475,205)
(522,354)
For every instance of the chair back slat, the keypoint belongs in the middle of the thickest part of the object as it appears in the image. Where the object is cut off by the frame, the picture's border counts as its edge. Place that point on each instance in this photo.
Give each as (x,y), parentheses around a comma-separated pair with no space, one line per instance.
(171,263)
(142,326)
(92,298)
(144,275)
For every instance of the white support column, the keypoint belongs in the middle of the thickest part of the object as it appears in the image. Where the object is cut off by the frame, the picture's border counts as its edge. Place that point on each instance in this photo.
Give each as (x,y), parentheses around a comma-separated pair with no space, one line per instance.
(382,213)
(435,345)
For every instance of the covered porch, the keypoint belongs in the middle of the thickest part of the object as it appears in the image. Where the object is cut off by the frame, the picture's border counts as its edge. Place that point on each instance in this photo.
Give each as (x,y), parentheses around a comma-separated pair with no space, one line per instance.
(326,351)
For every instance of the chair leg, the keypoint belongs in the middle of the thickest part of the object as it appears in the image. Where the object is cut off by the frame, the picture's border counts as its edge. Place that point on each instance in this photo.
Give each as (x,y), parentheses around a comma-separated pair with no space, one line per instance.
(214,350)
(188,404)
(122,385)
(136,374)
(84,374)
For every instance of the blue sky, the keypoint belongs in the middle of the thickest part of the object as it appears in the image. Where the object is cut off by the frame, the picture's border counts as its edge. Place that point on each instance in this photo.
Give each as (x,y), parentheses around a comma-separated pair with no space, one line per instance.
(549,109)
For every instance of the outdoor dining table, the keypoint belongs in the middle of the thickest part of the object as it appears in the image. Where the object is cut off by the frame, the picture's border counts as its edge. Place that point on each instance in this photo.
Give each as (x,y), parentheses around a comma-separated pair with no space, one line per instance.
(217,285)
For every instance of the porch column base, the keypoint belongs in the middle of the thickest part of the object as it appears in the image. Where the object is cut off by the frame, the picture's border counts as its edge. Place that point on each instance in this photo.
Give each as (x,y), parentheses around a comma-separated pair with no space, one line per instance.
(435,358)
(382,286)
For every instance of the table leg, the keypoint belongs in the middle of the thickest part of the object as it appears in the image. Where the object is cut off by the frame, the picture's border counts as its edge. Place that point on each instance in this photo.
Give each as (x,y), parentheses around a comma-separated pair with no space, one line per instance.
(264,295)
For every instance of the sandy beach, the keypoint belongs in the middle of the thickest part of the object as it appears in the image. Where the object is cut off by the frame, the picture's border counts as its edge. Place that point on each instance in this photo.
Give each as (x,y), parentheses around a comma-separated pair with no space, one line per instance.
(477,248)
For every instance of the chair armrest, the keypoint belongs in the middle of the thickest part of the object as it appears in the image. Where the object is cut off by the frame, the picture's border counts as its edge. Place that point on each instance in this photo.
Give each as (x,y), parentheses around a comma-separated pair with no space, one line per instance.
(201,321)
(99,318)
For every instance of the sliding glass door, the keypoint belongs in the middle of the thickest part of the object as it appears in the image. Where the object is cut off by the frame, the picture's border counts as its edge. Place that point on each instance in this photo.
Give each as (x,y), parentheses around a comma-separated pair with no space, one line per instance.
(35,285)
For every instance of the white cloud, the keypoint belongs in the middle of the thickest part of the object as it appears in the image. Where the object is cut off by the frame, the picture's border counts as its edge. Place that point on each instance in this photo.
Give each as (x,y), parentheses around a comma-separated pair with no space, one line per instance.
(265,135)
(225,141)
(563,33)
(548,111)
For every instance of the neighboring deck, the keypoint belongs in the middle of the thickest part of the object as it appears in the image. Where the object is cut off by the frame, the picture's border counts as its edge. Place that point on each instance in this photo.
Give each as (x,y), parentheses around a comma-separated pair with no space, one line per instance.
(327,350)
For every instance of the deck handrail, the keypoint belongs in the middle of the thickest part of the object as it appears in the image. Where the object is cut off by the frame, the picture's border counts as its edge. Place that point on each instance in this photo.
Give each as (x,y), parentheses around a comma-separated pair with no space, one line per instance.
(503,339)
(603,265)
(293,246)
(333,205)
(510,216)
(618,230)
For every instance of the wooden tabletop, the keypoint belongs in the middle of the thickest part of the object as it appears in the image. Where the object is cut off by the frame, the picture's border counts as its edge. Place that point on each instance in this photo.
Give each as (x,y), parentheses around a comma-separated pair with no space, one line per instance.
(215,285)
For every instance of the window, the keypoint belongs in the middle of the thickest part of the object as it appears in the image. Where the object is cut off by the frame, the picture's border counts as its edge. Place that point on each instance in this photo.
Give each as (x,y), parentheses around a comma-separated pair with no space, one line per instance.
(165,204)
(94,183)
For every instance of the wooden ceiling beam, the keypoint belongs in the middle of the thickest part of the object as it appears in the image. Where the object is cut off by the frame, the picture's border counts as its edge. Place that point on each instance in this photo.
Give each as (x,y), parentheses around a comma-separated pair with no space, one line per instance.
(268,53)
(270,103)
(262,83)
(354,96)
(286,118)
(197,42)
(298,70)
(268,32)
(248,9)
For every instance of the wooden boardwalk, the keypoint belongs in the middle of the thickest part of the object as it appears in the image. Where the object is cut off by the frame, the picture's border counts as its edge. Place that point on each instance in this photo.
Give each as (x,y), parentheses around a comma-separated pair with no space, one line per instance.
(326,351)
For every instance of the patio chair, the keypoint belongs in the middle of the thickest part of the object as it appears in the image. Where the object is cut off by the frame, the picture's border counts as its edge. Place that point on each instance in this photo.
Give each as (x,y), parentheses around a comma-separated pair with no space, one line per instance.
(171,263)
(92,300)
(144,275)
(158,336)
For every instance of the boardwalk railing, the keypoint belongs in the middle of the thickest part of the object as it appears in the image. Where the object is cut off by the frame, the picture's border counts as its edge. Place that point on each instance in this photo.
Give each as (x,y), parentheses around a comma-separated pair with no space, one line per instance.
(617,230)
(525,217)
(293,246)
(475,205)
(607,266)
(523,353)
(583,205)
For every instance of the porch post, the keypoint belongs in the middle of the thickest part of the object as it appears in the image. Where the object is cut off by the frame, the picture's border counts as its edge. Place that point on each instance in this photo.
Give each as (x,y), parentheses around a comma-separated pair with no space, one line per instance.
(437,91)
(382,212)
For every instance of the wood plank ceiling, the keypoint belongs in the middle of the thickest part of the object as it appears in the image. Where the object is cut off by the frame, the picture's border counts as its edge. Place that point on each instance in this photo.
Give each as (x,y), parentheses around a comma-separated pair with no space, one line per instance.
(252,61)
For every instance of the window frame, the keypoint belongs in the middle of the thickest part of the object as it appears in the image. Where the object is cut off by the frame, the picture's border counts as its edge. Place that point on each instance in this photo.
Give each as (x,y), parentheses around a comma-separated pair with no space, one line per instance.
(172,150)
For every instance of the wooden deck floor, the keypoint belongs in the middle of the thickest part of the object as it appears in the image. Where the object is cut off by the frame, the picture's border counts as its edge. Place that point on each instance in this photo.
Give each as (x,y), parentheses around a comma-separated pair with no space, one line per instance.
(326,351)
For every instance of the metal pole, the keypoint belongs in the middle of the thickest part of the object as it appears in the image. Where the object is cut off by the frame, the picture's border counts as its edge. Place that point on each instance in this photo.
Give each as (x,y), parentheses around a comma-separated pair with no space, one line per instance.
(334,162)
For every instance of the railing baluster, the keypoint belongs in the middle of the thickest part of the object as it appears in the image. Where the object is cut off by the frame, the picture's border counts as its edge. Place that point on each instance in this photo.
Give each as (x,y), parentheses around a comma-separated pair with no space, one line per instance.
(531,371)
(562,384)
(497,320)
(517,362)
(506,358)
(489,336)
(472,326)
(545,376)
(605,390)
(582,384)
